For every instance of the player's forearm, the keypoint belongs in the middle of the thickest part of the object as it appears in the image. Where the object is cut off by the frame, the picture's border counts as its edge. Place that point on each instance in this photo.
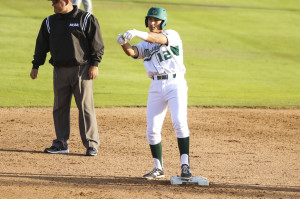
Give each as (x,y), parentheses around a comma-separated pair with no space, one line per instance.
(129,50)
(157,38)
(150,37)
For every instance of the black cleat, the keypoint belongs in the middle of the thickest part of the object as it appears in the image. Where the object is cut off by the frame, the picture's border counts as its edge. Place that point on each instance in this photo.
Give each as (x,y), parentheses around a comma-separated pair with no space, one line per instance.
(155,173)
(185,172)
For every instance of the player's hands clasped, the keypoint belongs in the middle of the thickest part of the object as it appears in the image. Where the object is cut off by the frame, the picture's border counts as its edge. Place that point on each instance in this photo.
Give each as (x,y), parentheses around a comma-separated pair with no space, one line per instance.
(121,40)
(129,34)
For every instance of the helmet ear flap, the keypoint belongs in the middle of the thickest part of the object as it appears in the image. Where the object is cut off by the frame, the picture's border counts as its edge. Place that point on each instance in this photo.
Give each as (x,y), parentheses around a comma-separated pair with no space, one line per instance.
(146,22)
(163,24)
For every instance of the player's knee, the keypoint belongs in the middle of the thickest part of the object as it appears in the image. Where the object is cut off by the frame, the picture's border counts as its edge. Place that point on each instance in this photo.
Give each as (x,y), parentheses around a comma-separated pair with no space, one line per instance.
(182,131)
(153,138)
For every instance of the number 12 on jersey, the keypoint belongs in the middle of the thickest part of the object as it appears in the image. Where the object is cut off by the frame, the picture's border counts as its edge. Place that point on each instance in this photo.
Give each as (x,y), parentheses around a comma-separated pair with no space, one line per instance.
(166,55)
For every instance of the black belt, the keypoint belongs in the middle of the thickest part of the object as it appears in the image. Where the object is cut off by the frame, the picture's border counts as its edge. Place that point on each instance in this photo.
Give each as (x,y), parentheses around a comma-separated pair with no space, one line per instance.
(167,76)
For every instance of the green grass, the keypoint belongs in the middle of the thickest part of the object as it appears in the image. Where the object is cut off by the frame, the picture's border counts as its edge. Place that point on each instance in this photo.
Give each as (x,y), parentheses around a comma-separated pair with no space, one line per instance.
(237,53)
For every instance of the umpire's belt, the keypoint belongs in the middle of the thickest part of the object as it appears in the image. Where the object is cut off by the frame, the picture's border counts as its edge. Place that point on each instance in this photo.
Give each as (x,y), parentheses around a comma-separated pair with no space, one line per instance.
(161,77)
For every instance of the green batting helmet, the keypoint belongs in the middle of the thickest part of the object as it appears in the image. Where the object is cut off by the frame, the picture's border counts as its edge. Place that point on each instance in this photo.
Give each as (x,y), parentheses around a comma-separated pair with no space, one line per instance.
(159,13)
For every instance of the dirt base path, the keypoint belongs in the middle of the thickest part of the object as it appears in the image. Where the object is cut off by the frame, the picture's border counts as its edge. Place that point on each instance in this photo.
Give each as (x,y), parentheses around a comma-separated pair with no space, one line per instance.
(245,153)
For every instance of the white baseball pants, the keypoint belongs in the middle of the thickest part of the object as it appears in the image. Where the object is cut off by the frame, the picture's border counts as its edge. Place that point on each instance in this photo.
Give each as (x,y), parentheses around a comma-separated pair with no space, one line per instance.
(170,93)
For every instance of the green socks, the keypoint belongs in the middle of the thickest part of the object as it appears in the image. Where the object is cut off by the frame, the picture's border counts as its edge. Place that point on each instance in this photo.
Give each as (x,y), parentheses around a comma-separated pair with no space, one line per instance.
(156,151)
(183,145)
(184,149)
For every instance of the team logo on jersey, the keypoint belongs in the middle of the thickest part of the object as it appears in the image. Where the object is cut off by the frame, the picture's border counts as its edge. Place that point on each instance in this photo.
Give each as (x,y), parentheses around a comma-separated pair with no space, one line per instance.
(149,53)
(74,25)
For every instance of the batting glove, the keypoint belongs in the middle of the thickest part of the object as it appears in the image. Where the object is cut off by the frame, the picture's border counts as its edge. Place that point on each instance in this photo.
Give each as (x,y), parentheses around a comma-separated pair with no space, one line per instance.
(121,40)
(135,33)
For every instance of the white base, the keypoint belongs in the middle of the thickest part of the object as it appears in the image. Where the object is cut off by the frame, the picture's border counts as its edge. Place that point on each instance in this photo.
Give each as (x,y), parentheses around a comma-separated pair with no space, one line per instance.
(176,180)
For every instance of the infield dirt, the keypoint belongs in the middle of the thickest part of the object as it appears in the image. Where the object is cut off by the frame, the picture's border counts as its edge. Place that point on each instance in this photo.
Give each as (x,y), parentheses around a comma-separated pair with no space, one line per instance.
(244,153)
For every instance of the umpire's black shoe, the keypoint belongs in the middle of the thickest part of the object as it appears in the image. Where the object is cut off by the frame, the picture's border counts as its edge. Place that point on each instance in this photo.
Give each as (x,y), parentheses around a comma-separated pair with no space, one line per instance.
(91,151)
(185,172)
(54,149)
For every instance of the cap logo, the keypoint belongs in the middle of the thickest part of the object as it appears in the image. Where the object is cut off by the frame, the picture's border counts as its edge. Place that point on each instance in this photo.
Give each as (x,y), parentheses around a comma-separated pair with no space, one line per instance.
(154,12)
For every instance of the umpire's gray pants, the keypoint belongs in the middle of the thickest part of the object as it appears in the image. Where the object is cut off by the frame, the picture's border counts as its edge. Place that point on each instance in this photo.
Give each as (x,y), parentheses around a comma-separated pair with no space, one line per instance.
(68,81)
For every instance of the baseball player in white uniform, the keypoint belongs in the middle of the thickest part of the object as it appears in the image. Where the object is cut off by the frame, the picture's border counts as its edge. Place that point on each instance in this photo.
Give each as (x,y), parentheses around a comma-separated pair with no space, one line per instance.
(162,53)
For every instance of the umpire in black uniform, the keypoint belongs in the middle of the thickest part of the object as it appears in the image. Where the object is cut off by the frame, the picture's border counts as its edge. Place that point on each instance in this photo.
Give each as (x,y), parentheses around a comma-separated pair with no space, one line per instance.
(74,40)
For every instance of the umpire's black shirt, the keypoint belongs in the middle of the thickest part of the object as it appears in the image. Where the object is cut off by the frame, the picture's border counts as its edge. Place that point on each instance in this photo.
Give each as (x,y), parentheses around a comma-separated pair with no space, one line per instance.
(73,39)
